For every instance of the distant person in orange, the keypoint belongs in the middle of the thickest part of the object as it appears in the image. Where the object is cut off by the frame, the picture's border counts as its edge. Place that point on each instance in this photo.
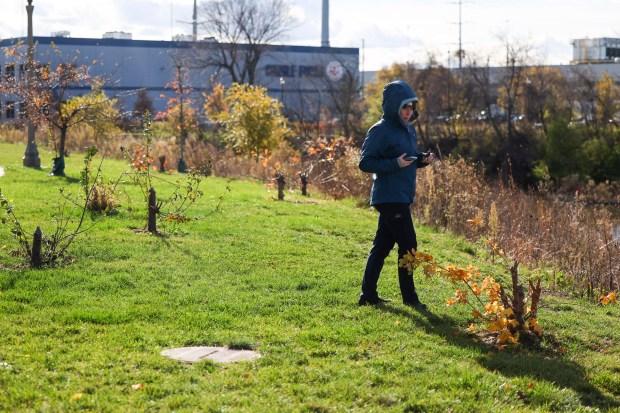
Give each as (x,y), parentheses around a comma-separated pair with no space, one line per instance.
(390,153)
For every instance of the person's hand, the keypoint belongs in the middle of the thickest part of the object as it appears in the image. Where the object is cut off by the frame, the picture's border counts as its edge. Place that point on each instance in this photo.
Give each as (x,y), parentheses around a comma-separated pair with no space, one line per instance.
(430,158)
(402,162)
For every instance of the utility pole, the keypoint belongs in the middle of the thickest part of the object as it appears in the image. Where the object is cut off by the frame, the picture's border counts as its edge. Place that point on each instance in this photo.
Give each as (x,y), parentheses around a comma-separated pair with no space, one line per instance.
(362,69)
(460,39)
(195,23)
(31,156)
(181,166)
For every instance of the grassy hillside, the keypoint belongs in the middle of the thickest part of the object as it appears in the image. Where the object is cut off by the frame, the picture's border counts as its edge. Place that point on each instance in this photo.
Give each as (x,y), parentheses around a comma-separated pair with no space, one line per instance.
(281,277)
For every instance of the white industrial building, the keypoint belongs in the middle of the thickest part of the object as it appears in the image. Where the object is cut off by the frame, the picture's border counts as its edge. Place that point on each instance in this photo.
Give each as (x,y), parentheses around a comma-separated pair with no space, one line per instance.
(601,50)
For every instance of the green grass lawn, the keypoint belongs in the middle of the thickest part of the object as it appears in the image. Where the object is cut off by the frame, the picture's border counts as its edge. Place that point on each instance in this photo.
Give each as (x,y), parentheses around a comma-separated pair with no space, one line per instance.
(281,277)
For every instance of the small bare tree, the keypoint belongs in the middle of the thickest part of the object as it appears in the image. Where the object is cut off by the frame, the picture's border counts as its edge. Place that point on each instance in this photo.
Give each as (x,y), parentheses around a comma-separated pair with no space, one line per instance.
(344,97)
(240,30)
(47,101)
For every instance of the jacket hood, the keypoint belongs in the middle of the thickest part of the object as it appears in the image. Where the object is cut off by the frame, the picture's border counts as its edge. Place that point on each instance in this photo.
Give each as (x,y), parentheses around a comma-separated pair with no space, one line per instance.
(396,95)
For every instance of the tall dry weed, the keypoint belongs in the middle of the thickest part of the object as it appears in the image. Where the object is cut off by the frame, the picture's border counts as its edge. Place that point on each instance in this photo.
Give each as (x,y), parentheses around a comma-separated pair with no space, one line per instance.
(13,134)
(535,228)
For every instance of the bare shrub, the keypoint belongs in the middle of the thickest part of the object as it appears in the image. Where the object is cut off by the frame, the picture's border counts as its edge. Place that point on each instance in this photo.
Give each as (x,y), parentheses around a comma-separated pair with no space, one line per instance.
(331,166)
(103,198)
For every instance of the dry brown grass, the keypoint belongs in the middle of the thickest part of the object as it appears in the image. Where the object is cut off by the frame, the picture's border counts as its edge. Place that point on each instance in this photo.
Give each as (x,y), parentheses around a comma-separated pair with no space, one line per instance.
(538,229)
(11,134)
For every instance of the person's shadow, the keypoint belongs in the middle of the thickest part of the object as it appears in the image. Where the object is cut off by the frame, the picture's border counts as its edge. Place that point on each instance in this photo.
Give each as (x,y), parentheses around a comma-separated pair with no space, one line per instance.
(523,363)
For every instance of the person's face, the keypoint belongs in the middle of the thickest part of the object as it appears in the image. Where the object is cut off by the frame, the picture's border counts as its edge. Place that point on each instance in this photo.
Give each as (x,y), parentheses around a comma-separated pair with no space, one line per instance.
(406,112)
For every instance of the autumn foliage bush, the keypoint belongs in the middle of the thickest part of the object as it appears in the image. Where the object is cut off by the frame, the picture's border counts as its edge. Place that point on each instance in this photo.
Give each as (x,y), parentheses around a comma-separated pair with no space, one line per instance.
(510,315)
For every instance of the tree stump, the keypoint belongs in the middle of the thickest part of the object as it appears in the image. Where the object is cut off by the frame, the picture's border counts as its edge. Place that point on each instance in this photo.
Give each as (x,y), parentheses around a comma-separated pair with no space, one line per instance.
(35,254)
(304,183)
(279,178)
(152,218)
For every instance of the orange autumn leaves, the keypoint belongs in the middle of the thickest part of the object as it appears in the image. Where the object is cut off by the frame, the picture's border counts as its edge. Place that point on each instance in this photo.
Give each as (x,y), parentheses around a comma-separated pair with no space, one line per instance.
(483,294)
(609,298)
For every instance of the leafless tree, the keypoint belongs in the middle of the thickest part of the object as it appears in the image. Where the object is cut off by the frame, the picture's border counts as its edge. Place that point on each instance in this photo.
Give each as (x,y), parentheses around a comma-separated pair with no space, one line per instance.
(344,99)
(238,33)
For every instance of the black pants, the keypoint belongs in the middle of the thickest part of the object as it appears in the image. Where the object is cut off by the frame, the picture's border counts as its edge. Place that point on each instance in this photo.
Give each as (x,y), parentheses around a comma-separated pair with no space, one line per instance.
(395,227)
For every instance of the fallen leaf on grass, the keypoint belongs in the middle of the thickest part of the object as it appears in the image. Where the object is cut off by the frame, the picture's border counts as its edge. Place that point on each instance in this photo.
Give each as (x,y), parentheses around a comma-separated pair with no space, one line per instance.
(138,386)
(76,396)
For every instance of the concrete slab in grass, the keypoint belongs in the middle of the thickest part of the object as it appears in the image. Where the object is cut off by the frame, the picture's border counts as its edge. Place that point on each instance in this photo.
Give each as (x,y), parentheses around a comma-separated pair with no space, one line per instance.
(217,354)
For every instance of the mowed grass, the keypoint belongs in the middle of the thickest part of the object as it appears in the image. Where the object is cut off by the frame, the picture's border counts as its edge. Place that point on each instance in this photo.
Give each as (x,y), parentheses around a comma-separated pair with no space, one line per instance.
(282,278)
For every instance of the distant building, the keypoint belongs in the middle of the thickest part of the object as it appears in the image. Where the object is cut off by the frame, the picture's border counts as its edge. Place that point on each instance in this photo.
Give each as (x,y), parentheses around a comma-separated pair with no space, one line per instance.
(602,50)
(298,75)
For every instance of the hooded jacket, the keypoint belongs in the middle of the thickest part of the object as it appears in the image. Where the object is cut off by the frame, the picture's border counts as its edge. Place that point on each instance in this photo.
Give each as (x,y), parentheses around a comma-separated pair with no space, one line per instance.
(385,141)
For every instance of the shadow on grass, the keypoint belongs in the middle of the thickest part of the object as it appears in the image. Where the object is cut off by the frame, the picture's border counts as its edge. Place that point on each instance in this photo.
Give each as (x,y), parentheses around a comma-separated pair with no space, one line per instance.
(520,363)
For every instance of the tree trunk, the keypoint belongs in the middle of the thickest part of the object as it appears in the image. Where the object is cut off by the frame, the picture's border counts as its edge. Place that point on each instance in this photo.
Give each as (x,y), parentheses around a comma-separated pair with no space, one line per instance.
(304,184)
(58,168)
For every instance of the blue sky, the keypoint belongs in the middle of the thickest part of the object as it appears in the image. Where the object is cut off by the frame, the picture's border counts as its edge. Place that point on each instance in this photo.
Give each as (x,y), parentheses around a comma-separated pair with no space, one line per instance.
(389,30)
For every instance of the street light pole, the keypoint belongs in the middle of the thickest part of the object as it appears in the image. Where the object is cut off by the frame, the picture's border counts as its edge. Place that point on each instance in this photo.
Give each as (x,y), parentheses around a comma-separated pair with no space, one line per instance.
(31,156)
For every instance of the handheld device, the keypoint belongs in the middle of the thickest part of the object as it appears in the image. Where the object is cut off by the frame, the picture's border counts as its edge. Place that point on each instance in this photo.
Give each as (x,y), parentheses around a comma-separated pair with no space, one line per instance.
(410,158)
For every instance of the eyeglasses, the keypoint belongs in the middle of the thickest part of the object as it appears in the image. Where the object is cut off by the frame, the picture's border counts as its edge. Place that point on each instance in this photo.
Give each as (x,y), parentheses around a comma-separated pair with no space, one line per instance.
(409,106)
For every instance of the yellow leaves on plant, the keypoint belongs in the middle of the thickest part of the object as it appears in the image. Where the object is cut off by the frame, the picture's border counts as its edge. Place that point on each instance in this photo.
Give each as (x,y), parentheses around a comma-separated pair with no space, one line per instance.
(495,249)
(475,222)
(456,274)
(496,324)
(609,298)
(421,256)
(500,320)
(408,261)
(533,325)
(76,396)
(492,307)
(507,337)
(461,296)
(430,270)
(413,259)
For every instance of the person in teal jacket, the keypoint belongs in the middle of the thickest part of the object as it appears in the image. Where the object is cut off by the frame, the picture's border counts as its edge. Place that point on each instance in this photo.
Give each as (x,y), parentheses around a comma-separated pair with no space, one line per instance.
(390,153)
